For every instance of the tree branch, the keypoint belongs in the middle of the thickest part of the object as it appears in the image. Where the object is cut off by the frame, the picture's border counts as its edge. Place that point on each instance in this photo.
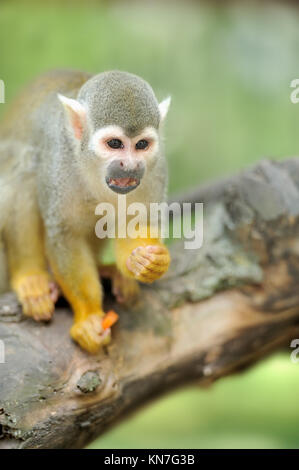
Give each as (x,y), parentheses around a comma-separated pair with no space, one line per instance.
(219,309)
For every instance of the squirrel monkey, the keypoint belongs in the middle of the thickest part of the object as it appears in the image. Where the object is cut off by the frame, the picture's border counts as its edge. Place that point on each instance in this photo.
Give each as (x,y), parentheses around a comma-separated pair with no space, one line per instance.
(69,142)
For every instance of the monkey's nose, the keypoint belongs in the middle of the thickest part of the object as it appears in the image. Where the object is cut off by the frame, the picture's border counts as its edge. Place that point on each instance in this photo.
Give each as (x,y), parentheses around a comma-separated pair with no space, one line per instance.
(124,169)
(123,178)
(132,166)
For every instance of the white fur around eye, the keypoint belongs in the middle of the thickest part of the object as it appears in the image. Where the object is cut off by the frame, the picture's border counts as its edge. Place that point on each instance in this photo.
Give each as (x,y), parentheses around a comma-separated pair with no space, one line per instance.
(149,133)
(99,146)
(95,144)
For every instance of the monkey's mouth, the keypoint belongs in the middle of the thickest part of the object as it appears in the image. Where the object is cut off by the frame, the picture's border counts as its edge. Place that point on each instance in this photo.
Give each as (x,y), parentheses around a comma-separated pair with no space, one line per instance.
(122,185)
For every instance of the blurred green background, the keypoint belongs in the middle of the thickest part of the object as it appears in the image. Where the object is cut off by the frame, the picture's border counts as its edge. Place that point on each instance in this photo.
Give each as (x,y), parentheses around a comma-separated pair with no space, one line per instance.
(228,69)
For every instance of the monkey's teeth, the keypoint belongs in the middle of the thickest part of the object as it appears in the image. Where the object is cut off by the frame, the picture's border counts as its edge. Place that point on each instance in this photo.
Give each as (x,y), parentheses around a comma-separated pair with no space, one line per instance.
(123,182)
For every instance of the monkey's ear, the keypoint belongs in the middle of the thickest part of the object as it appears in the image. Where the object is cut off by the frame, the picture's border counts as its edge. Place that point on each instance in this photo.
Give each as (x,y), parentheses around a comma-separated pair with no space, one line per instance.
(164,107)
(76,114)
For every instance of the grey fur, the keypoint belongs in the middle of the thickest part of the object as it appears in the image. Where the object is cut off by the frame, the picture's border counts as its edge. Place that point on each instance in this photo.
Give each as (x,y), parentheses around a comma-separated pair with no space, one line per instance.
(122,98)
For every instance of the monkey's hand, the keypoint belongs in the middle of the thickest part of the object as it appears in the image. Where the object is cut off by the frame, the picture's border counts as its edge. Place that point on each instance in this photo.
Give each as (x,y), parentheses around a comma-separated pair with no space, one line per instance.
(148,263)
(90,334)
(37,295)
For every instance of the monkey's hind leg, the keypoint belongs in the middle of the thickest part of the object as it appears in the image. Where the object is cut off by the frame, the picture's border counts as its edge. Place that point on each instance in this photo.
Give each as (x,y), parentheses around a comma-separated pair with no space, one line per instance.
(29,277)
(126,290)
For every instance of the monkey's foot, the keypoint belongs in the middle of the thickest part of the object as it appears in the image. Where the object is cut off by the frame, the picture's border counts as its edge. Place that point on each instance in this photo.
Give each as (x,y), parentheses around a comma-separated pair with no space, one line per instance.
(148,263)
(37,295)
(90,333)
(125,290)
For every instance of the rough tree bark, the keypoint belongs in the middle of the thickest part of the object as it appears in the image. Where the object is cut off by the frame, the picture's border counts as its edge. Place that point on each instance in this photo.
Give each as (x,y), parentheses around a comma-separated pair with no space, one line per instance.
(219,309)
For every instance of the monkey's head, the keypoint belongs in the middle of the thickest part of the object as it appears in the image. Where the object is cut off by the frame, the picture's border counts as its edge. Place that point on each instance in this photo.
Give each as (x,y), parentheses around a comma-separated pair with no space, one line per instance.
(115,124)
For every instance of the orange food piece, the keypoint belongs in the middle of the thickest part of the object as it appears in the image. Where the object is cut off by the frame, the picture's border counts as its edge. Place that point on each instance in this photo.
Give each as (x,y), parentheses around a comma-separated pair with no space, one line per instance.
(109,319)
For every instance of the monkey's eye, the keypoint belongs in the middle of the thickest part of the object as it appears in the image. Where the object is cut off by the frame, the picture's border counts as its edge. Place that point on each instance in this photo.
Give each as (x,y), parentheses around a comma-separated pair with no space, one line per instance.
(115,144)
(141,144)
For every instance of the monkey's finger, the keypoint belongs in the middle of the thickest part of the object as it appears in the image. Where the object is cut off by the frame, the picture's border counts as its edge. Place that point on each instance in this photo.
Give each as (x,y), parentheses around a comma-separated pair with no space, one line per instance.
(158,263)
(91,336)
(89,333)
(159,260)
(142,273)
(40,308)
(46,307)
(28,306)
(133,265)
(160,255)
(157,249)
(137,261)
(23,291)
(151,249)
(33,286)
(149,275)
(95,322)
(42,311)
(148,266)
(137,268)
(159,266)
(80,334)
(38,287)
(87,341)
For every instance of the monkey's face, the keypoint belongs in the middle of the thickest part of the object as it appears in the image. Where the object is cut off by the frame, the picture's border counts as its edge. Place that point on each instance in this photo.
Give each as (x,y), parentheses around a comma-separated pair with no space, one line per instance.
(115,125)
(125,158)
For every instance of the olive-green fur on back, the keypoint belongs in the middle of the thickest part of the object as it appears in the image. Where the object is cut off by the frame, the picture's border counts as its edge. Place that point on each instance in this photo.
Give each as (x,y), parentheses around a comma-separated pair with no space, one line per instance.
(17,119)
